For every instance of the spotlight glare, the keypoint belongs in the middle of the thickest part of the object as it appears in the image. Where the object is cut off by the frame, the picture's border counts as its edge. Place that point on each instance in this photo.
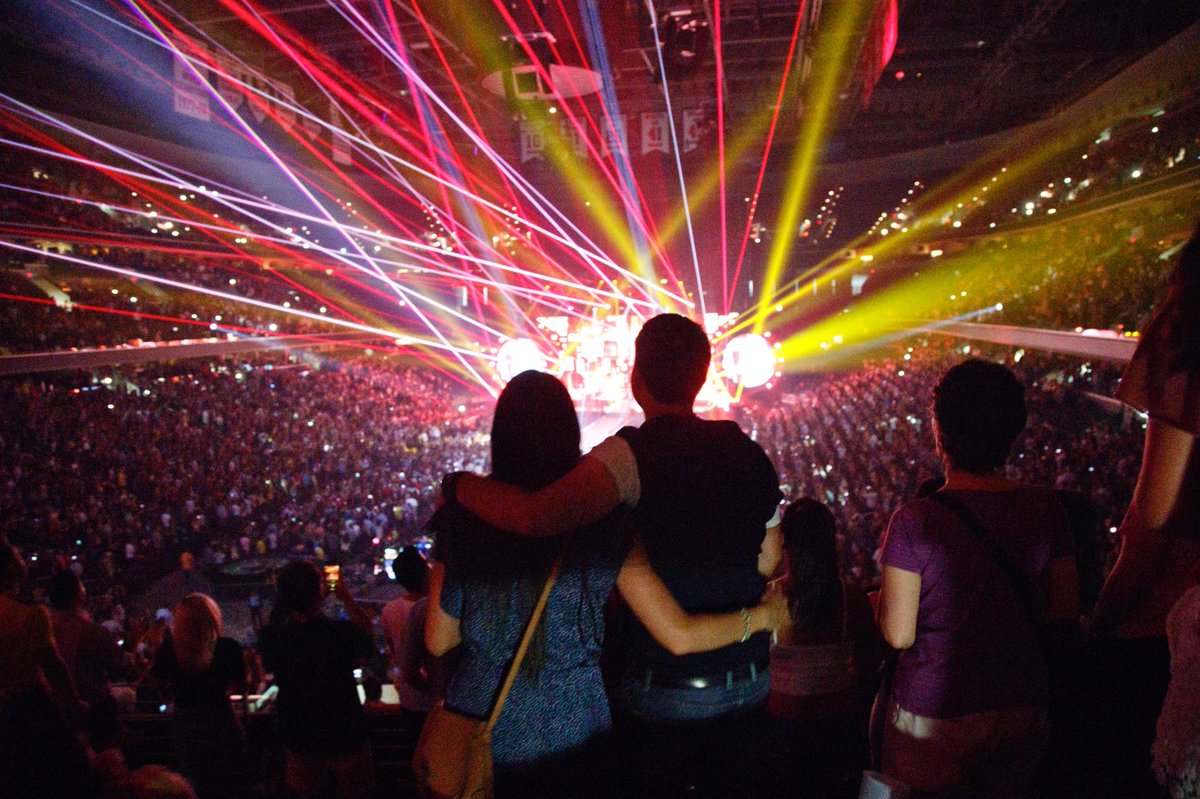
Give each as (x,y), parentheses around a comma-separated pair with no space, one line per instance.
(749,359)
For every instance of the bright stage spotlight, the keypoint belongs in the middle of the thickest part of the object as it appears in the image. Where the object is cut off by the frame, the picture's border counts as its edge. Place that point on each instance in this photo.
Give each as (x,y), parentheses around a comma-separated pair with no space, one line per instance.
(748,359)
(516,356)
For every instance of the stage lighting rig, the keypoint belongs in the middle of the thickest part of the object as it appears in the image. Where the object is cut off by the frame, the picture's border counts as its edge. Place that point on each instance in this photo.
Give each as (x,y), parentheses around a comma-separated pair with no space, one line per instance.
(683,34)
(529,71)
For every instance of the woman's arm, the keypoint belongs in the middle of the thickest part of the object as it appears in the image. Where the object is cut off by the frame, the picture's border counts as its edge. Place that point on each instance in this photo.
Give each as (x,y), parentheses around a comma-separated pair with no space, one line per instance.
(899,600)
(1130,575)
(1165,459)
(675,629)
(358,617)
(770,554)
(441,629)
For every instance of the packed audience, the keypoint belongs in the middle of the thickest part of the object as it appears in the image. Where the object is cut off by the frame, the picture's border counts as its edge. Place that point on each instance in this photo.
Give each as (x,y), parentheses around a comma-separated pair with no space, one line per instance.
(107,485)
(826,436)
(53,304)
(227,462)
(311,461)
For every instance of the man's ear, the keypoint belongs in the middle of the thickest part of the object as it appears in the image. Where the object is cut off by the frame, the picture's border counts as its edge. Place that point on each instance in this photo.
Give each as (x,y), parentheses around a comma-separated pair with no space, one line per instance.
(638,387)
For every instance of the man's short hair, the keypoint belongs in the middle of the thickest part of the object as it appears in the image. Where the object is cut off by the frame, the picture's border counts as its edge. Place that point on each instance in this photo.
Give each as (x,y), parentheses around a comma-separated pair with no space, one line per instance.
(672,357)
(980,410)
(64,590)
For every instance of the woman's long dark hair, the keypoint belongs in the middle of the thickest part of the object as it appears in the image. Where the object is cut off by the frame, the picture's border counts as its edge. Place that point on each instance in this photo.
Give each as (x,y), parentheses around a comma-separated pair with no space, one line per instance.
(535,434)
(535,441)
(815,593)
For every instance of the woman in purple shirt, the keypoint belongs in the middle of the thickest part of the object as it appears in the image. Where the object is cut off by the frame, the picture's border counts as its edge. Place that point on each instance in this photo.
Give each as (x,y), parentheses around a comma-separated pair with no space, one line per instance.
(967,715)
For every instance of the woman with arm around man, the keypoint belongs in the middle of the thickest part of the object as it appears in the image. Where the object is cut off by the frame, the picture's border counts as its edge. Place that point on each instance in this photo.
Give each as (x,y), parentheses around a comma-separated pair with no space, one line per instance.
(551,738)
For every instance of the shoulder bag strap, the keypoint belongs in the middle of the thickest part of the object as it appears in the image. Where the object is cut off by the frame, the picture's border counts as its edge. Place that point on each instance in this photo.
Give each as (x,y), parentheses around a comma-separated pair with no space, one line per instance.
(1011,570)
(524,646)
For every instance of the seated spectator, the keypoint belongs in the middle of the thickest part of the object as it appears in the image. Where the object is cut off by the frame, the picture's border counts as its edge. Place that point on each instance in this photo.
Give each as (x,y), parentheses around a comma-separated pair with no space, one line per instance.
(202,668)
(313,658)
(970,574)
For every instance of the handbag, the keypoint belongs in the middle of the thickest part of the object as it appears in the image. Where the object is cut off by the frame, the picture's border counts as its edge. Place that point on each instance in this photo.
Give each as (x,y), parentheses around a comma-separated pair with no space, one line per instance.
(453,758)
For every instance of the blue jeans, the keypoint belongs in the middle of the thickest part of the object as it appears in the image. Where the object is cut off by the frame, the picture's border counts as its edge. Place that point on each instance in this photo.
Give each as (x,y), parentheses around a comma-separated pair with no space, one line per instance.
(682,705)
(702,742)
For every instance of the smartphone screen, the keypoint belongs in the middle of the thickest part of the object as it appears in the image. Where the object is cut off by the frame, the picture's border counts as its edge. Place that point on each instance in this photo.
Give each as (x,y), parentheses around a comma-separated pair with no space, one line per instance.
(332,575)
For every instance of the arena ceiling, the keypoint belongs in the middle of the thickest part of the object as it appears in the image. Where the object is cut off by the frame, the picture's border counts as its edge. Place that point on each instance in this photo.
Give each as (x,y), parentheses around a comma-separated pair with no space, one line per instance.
(961,67)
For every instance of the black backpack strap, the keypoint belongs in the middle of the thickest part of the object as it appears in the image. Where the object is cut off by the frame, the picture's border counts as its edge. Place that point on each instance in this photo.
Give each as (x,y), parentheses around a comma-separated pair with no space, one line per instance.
(1020,581)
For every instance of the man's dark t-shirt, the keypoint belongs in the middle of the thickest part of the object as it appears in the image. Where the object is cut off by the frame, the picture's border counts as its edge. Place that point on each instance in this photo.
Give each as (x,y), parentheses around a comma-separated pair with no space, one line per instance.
(313,663)
(707,493)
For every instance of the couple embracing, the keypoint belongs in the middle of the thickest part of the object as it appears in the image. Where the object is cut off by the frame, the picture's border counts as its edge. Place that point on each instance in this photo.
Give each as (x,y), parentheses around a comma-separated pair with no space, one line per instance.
(681,514)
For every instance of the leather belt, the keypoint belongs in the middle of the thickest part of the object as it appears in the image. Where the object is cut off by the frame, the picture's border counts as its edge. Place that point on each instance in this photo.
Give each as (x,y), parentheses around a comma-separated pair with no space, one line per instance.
(747,671)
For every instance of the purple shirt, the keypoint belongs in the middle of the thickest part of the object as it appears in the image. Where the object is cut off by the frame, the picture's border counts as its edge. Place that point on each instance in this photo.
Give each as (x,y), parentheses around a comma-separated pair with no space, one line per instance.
(975,649)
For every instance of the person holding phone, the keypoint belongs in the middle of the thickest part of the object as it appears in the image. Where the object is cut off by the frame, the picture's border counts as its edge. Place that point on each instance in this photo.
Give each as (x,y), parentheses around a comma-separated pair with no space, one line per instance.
(333,573)
(313,659)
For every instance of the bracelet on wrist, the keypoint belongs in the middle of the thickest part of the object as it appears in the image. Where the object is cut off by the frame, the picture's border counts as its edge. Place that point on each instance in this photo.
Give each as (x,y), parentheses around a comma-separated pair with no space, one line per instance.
(745,626)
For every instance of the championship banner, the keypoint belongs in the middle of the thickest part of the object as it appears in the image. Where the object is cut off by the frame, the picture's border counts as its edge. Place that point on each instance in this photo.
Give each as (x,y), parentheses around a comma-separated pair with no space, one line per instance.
(339,144)
(654,132)
(226,73)
(693,121)
(285,109)
(234,80)
(615,139)
(190,97)
(533,141)
(578,140)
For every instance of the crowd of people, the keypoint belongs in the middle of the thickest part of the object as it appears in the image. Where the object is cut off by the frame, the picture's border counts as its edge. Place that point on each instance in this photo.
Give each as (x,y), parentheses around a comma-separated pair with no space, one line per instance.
(66,208)
(226,462)
(302,460)
(108,484)
(826,436)
(1127,155)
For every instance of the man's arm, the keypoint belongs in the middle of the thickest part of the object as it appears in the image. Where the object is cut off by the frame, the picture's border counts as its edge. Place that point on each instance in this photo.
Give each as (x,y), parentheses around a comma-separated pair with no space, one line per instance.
(681,633)
(585,494)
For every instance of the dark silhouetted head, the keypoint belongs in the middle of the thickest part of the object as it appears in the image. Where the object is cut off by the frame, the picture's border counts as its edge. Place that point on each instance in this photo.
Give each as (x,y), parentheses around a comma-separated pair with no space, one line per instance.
(64,590)
(411,570)
(297,589)
(815,592)
(671,359)
(979,409)
(535,434)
